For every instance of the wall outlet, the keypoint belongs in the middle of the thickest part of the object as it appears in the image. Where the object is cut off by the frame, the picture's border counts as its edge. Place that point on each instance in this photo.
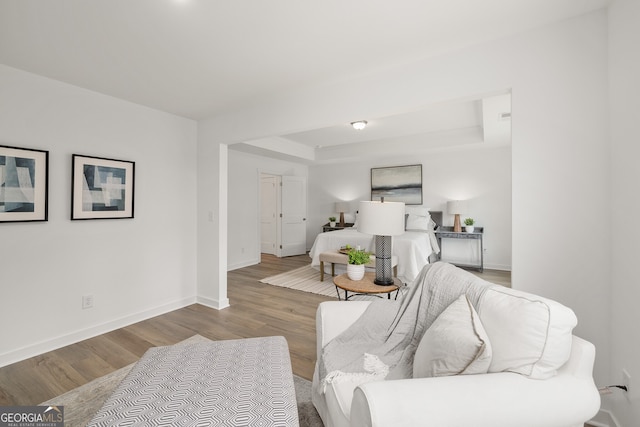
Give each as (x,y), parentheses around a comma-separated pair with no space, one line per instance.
(87,301)
(626,381)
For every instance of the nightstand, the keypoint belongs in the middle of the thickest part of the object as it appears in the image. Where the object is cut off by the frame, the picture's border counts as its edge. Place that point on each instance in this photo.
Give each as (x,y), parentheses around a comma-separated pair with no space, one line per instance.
(326,227)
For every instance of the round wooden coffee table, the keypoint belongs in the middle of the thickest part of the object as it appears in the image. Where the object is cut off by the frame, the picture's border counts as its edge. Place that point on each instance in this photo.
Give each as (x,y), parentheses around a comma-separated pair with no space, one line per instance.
(364,286)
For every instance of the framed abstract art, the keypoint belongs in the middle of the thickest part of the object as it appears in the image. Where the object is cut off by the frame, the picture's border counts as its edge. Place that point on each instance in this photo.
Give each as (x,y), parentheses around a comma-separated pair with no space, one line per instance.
(101,188)
(397,184)
(24,184)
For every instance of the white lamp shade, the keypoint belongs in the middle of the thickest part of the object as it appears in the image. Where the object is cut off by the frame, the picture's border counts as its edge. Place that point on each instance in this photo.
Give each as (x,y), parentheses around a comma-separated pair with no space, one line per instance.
(381,218)
(457,206)
(342,207)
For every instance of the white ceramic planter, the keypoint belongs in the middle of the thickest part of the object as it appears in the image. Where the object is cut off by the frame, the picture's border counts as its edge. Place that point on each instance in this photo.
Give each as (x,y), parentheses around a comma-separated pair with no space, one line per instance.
(332,224)
(355,272)
(469,228)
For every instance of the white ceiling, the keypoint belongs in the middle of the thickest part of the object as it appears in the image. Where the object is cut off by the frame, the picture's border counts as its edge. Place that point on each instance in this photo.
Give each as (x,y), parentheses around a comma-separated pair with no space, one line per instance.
(477,123)
(200,58)
(433,119)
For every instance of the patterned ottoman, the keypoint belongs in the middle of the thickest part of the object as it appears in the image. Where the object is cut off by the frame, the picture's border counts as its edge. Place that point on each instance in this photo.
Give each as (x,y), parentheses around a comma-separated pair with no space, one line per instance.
(246,382)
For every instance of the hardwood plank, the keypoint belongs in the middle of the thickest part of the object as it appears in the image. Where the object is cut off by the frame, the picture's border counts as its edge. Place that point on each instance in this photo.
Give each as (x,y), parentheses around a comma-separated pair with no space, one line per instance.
(108,350)
(498,277)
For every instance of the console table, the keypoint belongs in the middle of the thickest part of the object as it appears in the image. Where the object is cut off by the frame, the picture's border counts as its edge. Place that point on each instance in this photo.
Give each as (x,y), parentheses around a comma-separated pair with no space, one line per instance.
(448,233)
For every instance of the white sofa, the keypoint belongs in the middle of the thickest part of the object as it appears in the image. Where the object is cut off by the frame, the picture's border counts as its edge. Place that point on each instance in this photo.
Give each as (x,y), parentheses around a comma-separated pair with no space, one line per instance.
(566,397)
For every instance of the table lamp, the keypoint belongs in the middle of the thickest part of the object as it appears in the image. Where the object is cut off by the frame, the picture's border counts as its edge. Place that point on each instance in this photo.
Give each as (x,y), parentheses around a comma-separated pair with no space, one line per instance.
(382,219)
(457,207)
(342,207)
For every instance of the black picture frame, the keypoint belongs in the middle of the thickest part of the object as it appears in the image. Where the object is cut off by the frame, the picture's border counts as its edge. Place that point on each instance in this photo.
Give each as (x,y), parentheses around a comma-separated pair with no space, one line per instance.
(397,184)
(24,184)
(102,188)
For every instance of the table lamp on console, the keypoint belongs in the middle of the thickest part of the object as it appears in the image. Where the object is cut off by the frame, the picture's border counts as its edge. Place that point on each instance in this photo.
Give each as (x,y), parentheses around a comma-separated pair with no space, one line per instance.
(384,220)
(341,208)
(456,208)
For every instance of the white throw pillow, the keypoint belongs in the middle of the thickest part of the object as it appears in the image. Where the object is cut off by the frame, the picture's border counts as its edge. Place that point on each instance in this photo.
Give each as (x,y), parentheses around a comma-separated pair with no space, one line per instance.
(418,222)
(416,210)
(530,335)
(455,343)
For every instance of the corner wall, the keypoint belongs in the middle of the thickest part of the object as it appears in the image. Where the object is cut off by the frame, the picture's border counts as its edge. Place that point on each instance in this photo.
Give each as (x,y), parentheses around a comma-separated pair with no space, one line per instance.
(212,217)
(134,268)
(624,99)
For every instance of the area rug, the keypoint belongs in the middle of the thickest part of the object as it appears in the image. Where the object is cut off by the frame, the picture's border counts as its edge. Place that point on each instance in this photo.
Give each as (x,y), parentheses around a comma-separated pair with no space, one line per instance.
(305,279)
(82,403)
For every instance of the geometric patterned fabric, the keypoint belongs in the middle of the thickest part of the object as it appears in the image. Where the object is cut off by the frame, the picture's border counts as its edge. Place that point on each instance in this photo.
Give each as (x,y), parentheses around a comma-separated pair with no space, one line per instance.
(244,382)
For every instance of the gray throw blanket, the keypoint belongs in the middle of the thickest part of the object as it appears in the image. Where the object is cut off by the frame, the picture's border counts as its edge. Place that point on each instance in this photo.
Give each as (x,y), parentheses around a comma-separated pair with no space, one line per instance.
(391,330)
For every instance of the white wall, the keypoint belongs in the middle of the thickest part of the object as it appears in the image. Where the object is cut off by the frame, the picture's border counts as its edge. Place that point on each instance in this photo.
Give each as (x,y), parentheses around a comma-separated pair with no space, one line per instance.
(624,69)
(212,218)
(134,268)
(244,203)
(482,176)
(558,77)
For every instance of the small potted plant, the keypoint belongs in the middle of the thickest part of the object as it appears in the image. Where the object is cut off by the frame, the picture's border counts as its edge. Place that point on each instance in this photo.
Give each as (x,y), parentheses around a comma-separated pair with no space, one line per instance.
(469,225)
(357,261)
(332,221)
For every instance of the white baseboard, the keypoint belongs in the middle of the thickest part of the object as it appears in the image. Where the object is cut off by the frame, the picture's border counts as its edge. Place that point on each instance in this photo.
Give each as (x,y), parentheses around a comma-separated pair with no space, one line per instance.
(83,334)
(243,264)
(603,418)
(497,267)
(213,303)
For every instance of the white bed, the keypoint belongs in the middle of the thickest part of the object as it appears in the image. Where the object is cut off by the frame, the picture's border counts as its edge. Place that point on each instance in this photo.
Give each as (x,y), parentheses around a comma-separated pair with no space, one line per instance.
(412,248)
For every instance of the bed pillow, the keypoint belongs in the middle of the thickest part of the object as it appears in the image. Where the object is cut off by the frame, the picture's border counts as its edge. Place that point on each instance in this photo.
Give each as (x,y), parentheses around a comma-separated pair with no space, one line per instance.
(418,218)
(456,343)
(417,223)
(416,210)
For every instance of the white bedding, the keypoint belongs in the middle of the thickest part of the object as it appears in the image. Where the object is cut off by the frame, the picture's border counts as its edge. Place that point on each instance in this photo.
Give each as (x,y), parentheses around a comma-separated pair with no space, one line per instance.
(412,248)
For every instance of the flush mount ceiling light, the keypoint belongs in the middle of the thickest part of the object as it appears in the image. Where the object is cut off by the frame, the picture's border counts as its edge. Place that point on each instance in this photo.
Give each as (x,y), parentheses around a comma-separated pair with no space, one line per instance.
(359,125)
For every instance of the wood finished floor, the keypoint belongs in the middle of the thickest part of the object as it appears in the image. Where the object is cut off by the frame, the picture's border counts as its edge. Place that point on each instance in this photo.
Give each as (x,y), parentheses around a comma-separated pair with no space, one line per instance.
(256,310)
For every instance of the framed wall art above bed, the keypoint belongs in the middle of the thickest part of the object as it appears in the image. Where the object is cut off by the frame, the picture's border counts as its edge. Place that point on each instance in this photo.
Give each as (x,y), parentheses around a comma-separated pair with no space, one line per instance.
(397,184)
(101,188)
(24,181)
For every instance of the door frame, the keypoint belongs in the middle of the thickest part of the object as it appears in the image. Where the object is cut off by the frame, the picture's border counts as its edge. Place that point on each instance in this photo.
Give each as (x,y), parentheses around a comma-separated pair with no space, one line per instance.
(276,180)
(279,176)
(278,211)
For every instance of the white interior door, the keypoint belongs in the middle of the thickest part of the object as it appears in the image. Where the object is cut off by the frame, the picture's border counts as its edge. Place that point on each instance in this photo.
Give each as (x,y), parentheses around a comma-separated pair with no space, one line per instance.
(268,214)
(293,216)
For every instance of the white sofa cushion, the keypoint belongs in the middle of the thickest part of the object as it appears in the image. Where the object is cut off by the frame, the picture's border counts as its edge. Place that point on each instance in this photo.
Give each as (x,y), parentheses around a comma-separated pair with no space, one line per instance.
(530,335)
(456,343)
